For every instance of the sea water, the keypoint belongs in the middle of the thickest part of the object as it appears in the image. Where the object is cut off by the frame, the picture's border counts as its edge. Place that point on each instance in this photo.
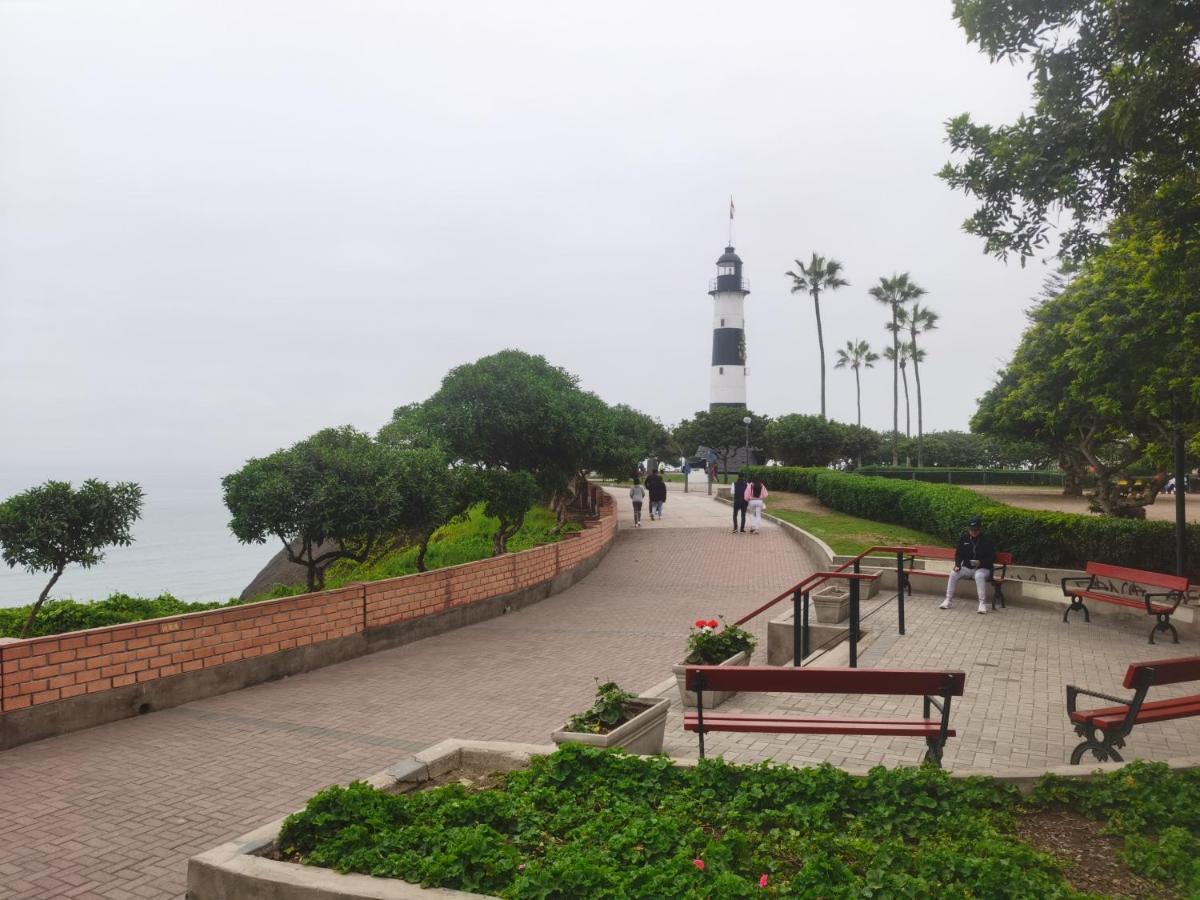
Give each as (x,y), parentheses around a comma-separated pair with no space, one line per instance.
(182,545)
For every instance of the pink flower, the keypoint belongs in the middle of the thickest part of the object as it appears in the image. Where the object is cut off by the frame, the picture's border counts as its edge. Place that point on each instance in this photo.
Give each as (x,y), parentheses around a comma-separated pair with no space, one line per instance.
(699,864)
(762,882)
(712,623)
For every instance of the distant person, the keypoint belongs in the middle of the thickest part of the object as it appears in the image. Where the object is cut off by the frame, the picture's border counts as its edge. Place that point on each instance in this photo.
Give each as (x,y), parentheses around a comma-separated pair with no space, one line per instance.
(656,487)
(637,493)
(974,557)
(755,495)
(1170,486)
(739,503)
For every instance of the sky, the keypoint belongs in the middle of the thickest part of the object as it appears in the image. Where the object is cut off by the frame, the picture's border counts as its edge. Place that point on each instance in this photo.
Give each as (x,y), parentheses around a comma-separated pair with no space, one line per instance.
(224,226)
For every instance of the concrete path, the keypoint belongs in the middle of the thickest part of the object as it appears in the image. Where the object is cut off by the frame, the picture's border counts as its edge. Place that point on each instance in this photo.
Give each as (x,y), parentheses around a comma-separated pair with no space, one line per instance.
(115,811)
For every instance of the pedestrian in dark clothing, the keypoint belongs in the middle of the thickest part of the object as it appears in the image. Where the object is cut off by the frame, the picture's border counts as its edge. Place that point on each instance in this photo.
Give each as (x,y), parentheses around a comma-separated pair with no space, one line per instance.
(739,503)
(656,487)
(974,556)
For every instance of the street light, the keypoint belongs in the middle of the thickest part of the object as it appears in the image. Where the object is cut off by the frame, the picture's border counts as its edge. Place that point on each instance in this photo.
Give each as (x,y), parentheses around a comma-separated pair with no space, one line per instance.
(746,421)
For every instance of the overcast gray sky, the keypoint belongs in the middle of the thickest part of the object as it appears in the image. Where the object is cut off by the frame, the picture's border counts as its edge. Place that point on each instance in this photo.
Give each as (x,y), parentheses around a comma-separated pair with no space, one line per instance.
(226,225)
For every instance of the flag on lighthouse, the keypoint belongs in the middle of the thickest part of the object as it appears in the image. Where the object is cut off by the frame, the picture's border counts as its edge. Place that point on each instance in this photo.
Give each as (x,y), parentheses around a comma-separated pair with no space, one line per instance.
(731,206)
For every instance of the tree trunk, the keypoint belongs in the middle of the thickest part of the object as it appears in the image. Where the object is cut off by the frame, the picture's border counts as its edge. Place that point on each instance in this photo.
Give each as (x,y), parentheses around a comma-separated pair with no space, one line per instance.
(895,389)
(421,550)
(820,348)
(1072,475)
(907,405)
(28,629)
(858,396)
(920,417)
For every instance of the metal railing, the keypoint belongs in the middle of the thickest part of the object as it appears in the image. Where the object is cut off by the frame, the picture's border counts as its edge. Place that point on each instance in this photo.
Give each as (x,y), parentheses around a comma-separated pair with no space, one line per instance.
(800,592)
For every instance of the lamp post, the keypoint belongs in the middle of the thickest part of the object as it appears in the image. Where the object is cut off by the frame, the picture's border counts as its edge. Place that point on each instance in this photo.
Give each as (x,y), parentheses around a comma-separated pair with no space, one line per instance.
(746,421)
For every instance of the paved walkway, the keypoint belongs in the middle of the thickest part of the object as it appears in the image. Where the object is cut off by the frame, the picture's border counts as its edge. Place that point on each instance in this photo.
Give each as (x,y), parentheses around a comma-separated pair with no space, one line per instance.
(115,811)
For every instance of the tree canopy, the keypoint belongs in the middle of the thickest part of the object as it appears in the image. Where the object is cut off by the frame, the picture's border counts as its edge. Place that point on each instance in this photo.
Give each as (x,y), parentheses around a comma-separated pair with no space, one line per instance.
(722,430)
(47,528)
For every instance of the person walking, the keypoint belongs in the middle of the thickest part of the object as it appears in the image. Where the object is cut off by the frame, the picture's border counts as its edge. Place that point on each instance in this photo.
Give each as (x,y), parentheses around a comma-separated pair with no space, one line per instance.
(974,556)
(755,495)
(739,502)
(637,493)
(656,487)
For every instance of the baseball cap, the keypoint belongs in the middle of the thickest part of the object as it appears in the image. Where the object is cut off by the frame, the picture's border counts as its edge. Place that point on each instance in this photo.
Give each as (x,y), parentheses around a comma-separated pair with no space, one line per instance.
(976,522)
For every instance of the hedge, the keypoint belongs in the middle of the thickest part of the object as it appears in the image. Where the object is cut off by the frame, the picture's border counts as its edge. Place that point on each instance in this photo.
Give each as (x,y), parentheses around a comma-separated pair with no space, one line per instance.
(946,475)
(1034,537)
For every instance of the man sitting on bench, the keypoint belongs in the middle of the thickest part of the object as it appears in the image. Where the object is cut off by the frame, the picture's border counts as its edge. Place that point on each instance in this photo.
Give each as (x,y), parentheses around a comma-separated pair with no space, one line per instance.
(974,557)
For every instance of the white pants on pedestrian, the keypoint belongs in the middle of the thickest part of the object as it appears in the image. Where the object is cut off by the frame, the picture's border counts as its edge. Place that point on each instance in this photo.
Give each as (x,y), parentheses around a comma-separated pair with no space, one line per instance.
(754,510)
(981,577)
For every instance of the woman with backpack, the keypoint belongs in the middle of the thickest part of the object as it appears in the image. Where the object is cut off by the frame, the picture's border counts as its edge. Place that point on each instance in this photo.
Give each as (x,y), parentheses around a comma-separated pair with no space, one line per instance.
(756,493)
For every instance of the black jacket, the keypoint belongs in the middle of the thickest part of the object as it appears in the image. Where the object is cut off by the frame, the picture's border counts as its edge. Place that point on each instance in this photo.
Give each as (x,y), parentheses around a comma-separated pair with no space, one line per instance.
(980,548)
(739,492)
(656,487)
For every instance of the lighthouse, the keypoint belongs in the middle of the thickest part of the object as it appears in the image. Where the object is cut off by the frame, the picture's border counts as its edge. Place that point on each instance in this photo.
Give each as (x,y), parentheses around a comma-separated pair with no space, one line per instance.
(728,290)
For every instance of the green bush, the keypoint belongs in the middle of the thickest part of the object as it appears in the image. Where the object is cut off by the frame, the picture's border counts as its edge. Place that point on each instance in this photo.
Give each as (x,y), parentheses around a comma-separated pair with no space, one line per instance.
(57,616)
(589,823)
(940,475)
(1034,537)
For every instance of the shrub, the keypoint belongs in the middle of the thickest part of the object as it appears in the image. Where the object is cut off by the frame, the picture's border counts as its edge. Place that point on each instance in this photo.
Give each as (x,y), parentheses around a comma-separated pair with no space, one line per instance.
(58,616)
(709,647)
(610,710)
(1034,537)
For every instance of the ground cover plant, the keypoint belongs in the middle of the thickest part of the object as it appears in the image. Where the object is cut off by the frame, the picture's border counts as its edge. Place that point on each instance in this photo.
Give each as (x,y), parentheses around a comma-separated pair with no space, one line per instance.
(849,535)
(585,822)
(610,710)
(58,616)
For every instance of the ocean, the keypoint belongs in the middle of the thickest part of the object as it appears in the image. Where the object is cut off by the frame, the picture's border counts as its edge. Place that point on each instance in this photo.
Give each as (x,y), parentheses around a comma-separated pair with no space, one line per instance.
(182,545)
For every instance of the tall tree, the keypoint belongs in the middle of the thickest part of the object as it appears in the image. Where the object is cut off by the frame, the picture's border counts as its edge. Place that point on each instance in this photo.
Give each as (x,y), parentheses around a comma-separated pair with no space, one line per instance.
(721,430)
(47,528)
(904,354)
(894,292)
(920,319)
(856,355)
(820,274)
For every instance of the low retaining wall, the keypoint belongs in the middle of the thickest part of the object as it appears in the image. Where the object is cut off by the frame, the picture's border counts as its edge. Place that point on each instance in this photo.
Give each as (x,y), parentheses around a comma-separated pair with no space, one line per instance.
(52,685)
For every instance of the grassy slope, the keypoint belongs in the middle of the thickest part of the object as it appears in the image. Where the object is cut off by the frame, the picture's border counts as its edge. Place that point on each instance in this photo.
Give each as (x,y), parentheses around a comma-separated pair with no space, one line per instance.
(850,534)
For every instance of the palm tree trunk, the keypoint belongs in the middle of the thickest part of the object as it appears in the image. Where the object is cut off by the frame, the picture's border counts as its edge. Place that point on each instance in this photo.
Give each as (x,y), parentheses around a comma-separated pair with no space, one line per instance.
(858,395)
(895,390)
(907,406)
(820,347)
(920,419)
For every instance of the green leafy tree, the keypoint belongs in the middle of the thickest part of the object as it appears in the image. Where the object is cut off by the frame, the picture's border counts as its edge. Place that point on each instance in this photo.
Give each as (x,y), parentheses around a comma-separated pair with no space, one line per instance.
(1114,130)
(858,443)
(820,274)
(919,320)
(800,440)
(632,437)
(52,526)
(409,429)
(335,495)
(721,430)
(894,292)
(856,355)
(904,353)
(507,496)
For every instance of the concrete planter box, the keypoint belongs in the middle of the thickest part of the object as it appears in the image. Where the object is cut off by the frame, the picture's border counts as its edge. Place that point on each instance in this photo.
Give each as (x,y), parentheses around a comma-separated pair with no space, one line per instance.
(711,698)
(642,734)
(832,605)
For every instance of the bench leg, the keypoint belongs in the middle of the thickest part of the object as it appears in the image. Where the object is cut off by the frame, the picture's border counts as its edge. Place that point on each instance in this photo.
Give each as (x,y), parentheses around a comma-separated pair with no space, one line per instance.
(1103,750)
(1077,604)
(998,594)
(1164,624)
(933,753)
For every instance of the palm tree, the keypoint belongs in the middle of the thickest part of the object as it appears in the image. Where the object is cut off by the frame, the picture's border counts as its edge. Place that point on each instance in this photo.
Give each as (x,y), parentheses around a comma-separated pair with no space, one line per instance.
(919,319)
(895,292)
(820,274)
(856,355)
(905,355)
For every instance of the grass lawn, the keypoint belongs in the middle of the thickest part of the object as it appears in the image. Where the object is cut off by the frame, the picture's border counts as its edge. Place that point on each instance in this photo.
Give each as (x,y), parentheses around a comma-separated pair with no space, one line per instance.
(849,534)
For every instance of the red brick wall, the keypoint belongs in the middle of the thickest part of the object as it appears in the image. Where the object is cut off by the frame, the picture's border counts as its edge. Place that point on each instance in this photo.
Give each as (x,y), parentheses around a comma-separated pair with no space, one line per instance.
(43,670)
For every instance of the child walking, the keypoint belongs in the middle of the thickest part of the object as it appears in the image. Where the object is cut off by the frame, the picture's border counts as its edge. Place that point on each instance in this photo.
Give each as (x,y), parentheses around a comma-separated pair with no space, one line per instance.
(756,493)
(637,493)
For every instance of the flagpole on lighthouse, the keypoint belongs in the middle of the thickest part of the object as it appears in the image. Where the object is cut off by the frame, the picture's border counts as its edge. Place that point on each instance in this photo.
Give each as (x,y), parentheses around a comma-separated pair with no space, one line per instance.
(731,220)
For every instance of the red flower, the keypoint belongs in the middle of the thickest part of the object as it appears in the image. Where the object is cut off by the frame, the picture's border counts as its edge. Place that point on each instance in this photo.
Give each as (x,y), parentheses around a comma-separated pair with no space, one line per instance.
(762,882)
(700,623)
(699,864)
(712,623)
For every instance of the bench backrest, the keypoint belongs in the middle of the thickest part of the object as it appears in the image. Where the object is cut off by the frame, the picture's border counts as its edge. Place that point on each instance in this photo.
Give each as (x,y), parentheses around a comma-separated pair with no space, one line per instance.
(827,681)
(1139,576)
(1004,559)
(1165,671)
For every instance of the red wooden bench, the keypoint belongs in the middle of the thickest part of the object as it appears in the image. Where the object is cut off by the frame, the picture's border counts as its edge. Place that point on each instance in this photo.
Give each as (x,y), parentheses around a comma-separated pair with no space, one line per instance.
(999,570)
(1099,587)
(1105,729)
(936,687)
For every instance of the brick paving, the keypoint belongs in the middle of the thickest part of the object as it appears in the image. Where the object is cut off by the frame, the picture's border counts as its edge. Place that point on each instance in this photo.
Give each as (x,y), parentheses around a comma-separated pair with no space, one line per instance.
(115,811)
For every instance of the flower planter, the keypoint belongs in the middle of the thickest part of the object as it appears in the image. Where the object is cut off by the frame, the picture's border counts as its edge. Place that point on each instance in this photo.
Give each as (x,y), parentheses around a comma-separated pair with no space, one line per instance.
(642,734)
(711,698)
(832,605)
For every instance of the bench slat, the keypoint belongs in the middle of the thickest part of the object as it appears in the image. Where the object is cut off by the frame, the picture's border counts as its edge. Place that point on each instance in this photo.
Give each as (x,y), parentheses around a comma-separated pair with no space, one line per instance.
(1108,712)
(790,725)
(1162,714)
(1117,600)
(1138,576)
(811,680)
(1166,671)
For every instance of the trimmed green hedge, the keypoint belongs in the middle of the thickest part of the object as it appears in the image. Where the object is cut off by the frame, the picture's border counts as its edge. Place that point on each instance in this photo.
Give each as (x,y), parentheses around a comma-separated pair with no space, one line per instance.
(1034,537)
(945,475)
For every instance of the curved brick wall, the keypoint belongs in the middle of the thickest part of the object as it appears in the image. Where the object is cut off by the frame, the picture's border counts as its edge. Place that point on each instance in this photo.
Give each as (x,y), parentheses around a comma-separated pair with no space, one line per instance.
(54,684)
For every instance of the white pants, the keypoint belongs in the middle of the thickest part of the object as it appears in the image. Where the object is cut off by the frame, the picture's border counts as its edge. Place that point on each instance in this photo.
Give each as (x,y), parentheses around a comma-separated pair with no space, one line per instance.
(981,577)
(754,509)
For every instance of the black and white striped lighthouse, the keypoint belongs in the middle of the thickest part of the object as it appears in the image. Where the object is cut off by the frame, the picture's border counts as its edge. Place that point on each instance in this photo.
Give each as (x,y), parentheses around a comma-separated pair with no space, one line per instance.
(728,291)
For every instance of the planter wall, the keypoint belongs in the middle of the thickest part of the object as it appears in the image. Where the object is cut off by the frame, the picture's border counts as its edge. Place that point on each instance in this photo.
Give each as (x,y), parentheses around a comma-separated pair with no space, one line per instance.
(711,698)
(643,734)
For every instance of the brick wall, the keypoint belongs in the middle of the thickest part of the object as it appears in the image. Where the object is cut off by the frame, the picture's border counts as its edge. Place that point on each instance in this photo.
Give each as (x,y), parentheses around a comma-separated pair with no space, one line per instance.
(49,669)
